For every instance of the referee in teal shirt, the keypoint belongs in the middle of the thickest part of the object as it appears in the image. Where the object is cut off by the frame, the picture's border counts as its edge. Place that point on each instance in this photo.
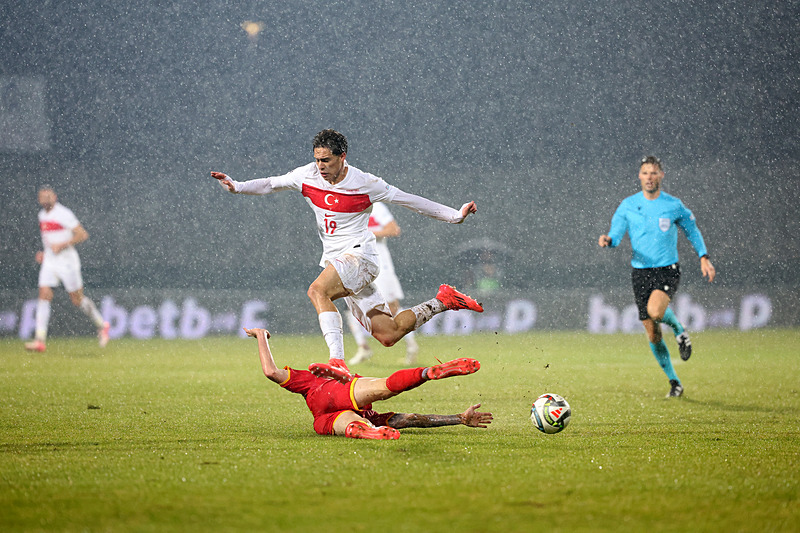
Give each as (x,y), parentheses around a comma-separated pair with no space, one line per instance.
(652,218)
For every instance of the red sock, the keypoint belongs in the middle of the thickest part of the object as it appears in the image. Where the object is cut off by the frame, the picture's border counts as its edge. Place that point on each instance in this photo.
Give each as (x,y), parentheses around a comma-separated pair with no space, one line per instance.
(406,379)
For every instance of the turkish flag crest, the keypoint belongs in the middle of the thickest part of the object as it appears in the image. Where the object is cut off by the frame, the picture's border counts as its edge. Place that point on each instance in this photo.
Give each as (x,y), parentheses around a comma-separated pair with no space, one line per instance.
(336,201)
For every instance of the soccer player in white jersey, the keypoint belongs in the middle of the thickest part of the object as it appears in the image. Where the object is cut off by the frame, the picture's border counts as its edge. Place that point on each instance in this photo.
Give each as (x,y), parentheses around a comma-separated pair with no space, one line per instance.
(61,231)
(383,225)
(341,197)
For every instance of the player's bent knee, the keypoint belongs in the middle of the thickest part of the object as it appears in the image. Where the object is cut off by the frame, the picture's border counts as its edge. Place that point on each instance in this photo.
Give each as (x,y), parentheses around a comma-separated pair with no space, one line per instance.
(314,293)
(387,337)
(385,340)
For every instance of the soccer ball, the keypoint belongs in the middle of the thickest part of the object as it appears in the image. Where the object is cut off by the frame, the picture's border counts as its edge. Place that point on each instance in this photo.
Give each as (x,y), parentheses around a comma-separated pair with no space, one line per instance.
(550,413)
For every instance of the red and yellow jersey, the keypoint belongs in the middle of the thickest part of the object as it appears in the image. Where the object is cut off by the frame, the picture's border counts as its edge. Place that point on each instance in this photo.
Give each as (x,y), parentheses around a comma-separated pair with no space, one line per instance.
(327,399)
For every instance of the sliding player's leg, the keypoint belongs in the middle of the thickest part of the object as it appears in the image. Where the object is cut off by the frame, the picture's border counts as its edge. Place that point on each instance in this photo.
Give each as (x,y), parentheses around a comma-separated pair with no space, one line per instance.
(369,390)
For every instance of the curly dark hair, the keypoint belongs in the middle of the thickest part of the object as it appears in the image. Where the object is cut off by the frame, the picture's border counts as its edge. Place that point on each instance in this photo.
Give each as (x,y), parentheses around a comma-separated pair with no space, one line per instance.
(332,140)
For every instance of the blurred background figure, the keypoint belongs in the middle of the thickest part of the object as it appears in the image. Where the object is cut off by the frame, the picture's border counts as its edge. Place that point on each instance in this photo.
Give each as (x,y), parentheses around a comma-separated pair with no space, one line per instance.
(60,264)
(384,226)
(482,259)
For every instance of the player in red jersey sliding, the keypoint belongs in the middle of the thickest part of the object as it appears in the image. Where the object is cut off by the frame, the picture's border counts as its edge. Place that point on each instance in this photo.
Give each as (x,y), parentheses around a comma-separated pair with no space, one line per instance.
(345,409)
(341,197)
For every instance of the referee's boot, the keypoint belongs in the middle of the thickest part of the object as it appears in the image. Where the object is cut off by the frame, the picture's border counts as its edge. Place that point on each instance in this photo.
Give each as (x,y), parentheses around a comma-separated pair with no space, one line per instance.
(684,345)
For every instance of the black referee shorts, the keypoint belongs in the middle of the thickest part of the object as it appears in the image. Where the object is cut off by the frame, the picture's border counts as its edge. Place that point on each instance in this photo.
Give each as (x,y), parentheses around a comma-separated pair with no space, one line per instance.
(647,280)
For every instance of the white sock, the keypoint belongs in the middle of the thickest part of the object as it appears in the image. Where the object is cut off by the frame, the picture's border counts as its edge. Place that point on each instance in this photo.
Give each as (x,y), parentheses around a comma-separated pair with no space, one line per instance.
(358,331)
(90,310)
(411,342)
(427,310)
(330,322)
(42,319)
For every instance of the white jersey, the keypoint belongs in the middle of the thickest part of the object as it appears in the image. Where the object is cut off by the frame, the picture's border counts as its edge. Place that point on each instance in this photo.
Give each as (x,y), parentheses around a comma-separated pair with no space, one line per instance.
(387,281)
(56,226)
(342,210)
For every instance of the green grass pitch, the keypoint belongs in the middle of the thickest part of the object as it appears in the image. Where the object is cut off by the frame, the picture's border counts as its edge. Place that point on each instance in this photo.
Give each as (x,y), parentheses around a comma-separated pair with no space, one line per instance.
(189,436)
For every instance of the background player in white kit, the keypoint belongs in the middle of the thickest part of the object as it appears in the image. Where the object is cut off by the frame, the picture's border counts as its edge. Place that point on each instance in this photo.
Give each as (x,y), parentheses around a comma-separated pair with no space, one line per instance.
(61,231)
(383,225)
(341,197)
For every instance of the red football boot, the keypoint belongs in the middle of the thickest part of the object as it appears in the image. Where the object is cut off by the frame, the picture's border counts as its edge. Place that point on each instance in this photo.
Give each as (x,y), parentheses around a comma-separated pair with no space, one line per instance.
(334,369)
(35,346)
(452,299)
(456,367)
(361,430)
(102,335)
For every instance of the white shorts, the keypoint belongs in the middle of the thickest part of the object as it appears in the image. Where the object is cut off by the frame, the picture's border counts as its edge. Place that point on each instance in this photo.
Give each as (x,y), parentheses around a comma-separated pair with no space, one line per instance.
(62,268)
(358,273)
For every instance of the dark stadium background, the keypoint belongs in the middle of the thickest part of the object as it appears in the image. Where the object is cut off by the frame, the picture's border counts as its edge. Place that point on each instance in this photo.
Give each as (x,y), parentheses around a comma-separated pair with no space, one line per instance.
(538,111)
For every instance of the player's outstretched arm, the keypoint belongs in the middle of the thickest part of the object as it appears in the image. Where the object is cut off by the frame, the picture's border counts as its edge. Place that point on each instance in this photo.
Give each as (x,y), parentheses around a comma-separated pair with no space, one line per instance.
(433,209)
(471,418)
(271,370)
(224,180)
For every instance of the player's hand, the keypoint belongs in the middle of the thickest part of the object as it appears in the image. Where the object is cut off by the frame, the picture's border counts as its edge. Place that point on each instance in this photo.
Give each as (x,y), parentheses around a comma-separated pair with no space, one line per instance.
(468,209)
(255,331)
(39,257)
(474,419)
(604,241)
(224,180)
(58,248)
(707,269)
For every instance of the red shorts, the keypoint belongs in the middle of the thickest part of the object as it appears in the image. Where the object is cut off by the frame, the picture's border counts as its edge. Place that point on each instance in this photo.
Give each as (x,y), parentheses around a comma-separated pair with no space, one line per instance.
(327,399)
